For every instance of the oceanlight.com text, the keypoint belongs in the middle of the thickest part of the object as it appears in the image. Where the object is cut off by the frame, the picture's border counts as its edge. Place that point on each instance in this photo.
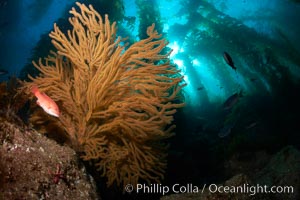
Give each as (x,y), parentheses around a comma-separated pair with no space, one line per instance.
(250,189)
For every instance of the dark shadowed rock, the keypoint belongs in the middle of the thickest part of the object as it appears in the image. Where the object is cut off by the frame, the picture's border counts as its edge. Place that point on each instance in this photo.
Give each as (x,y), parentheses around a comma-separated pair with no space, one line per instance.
(35,167)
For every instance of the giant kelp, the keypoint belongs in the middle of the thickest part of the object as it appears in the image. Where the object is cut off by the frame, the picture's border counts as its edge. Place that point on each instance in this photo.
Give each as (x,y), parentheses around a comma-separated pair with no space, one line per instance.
(148,13)
(209,32)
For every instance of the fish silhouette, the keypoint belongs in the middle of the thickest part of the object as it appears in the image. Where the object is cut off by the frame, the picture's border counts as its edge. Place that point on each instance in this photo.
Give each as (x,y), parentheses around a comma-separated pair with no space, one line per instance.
(3,72)
(228,60)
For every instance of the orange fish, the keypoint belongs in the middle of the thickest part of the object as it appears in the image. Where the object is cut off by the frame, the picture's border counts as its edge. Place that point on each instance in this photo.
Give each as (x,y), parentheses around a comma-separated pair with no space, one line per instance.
(48,105)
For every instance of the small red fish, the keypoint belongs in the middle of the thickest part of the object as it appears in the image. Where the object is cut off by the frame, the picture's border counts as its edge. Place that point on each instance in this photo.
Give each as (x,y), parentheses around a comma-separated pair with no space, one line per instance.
(48,105)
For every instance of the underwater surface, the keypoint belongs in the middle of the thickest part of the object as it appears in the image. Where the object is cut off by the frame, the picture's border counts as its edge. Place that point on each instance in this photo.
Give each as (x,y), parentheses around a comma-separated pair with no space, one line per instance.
(226,73)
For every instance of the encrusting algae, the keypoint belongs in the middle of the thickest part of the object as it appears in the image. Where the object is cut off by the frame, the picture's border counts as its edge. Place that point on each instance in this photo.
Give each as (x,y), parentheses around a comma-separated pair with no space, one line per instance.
(116,104)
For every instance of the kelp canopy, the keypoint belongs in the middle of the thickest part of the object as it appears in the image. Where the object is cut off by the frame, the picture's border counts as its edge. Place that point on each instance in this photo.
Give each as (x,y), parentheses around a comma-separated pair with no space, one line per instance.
(116,105)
